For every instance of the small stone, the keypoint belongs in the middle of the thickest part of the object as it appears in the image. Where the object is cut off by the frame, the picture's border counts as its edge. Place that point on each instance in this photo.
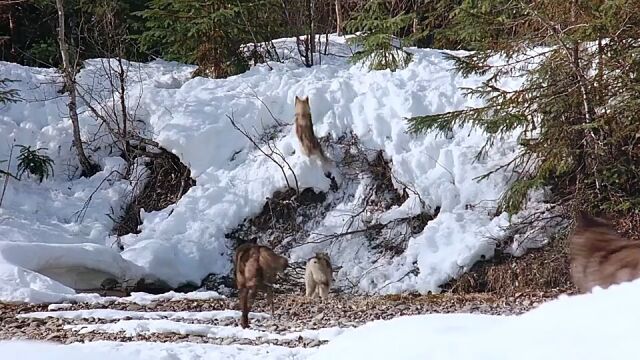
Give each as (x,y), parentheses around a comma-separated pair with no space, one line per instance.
(228,341)
(134,307)
(54,336)
(314,343)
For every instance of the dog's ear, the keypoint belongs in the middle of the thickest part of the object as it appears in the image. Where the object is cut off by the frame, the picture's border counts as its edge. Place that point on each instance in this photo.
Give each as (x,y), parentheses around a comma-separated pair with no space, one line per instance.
(583,219)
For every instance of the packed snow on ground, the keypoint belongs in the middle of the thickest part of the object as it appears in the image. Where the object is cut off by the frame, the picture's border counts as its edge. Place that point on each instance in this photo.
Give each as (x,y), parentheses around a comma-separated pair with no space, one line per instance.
(55,239)
(138,298)
(107,350)
(134,327)
(111,314)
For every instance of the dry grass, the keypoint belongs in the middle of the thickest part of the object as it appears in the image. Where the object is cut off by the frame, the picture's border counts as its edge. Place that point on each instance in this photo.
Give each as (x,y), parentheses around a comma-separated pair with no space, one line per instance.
(169,179)
(541,269)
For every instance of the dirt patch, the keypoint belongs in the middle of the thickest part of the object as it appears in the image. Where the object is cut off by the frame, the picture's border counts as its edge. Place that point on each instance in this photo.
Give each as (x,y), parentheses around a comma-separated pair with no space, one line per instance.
(169,179)
(288,219)
(281,220)
(541,269)
(390,238)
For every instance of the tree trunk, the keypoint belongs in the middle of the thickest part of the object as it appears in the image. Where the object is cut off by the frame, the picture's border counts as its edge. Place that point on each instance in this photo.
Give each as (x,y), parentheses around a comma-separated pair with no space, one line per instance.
(338,18)
(12,35)
(122,78)
(312,34)
(414,26)
(69,73)
(577,67)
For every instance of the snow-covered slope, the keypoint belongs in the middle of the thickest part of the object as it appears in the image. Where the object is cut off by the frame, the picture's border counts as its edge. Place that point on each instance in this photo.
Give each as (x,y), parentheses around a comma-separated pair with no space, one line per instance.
(60,227)
(186,241)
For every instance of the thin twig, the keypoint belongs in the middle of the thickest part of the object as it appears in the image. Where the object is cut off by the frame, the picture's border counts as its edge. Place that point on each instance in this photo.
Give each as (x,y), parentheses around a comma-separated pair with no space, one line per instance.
(8,174)
(269,156)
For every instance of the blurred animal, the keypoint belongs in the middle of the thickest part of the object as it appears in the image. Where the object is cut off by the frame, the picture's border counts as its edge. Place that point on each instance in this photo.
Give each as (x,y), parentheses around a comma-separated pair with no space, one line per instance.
(304,131)
(599,256)
(318,276)
(256,267)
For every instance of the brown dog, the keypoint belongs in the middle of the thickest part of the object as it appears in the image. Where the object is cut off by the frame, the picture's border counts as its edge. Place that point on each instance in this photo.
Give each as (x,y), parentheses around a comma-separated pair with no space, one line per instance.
(304,130)
(318,276)
(601,257)
(256,267)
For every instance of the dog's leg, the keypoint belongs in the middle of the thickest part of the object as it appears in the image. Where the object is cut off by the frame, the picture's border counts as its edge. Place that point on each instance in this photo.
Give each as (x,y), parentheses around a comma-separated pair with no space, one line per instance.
(324,291)
(244,307)
(310,286)
(270,299)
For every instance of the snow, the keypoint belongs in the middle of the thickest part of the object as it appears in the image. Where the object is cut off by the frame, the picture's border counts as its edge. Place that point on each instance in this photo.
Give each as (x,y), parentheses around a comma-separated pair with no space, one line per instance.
(600,325)
(132,328)
(144,299)
(110,314)
(138,298)
(186,241)
(54,239)
(55,234)
(107,350)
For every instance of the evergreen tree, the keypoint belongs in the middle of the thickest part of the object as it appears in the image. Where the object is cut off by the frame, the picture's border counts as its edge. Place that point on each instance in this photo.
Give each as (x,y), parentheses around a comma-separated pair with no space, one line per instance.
(7,95)
(380,45)
(578,110)
(28,29)
(208,33)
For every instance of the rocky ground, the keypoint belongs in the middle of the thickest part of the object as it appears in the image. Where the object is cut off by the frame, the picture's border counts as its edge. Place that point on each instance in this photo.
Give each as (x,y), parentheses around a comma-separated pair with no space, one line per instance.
(292,313)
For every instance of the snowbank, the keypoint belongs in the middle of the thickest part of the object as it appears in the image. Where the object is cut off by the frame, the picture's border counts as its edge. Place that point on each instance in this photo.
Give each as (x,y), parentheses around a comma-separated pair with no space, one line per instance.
(55,235)
(189,117)
(186,241)
(599,325)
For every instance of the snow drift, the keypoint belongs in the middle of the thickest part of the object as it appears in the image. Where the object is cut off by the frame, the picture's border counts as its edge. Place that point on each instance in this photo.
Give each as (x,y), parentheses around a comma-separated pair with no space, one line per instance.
(599,325)
(190,117)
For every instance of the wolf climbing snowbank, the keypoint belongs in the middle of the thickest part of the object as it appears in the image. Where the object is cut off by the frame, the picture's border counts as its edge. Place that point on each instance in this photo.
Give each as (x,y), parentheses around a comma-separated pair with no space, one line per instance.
(186,241)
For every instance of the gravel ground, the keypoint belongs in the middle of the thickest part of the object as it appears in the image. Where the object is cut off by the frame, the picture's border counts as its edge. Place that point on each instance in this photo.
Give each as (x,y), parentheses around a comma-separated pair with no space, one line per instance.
(292,313)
